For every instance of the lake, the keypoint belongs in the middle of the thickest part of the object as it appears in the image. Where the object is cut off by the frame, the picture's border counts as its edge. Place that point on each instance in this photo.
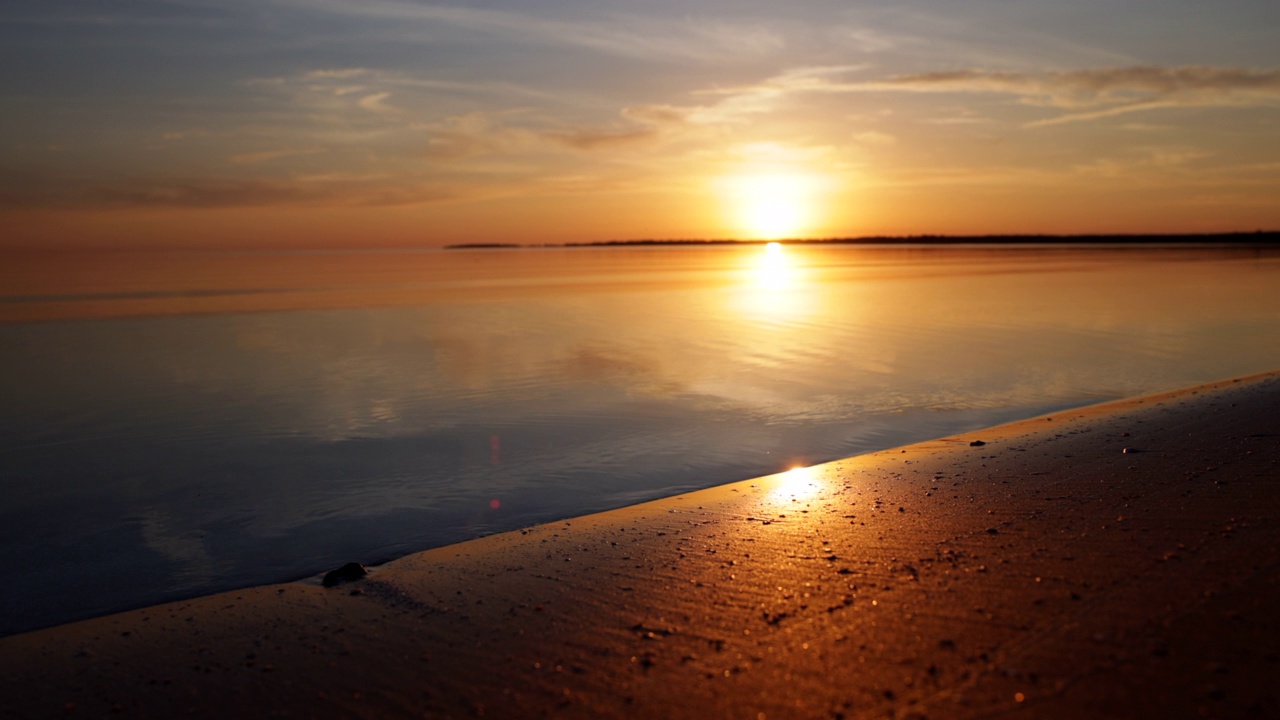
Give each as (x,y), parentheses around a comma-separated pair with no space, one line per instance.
(178,423)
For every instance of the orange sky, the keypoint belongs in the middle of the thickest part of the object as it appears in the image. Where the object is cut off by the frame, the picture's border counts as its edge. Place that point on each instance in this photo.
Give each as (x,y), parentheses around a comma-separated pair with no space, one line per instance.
(313,123)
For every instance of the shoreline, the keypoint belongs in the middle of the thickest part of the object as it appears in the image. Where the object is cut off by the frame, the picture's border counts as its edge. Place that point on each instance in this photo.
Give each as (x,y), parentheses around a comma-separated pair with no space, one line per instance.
(1236,239)
(1121,559)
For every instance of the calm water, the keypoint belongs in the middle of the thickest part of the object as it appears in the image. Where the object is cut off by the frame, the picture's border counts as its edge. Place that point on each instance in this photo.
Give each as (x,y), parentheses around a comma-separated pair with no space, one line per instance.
(176,424)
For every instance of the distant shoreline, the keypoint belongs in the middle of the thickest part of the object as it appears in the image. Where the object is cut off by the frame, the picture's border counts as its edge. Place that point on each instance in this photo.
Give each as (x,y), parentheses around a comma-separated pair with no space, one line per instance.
(1238,239)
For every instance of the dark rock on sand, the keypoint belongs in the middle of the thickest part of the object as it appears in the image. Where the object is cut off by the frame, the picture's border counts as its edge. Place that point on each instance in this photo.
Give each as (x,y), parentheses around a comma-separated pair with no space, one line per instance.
(347,573)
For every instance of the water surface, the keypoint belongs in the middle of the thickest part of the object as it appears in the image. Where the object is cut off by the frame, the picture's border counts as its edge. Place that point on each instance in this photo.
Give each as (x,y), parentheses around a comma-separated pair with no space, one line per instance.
(179,423)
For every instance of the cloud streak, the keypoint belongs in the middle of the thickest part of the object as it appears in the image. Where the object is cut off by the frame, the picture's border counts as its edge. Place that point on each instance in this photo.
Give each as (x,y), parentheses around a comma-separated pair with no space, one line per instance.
(252,192)
(631,37)
(256,158)
(485,133)
(377,103)
(30,191)
(1093,94)
(1088,94)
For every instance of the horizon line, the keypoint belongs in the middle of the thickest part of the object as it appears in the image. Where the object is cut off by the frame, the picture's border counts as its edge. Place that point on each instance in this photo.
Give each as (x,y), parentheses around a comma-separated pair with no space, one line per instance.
(1241,237)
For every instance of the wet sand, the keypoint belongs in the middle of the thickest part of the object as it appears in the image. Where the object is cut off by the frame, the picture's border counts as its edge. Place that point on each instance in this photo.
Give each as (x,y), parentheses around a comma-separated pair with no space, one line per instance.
(1121,560)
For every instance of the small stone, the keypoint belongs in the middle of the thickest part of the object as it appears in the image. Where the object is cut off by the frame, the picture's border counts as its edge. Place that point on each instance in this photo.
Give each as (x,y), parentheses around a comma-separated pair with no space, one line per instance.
(347,573)
(977,443)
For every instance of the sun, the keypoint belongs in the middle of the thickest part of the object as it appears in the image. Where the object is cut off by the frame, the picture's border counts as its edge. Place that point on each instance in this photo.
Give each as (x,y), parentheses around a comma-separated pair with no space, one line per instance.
(772,206)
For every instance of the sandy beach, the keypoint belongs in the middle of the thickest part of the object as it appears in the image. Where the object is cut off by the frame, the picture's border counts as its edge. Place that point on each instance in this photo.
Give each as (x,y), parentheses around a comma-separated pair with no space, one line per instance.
(1121,560)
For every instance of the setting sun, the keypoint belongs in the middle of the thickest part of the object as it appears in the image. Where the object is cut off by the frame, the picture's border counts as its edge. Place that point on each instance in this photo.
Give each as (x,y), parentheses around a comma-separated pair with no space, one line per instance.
(773,206)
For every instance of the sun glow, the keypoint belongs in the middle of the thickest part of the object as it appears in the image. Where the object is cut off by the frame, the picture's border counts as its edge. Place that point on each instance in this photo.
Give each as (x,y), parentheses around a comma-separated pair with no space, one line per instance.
(797,484)
(773,206)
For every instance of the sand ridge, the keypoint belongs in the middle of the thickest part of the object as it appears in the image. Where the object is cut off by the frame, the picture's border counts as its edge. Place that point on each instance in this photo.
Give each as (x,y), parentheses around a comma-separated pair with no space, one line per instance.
(1121,560)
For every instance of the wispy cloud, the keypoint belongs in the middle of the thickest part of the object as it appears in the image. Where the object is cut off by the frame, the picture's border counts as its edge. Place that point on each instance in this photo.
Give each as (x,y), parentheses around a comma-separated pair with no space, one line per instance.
(636,125)
(112,17)
(378,111)
(209,191)
(516,132)
(1093,94)
(477,133)
(1147,162)
(201,192)
(339,73)
(807,79)
(870,40)
(727,106)
(1088,94)
(494,133)
(185,134)
(377,102)
(329,190)
(677,37)
(1084,88)
(256,158)
(375,85)
(589,139)
(872,138)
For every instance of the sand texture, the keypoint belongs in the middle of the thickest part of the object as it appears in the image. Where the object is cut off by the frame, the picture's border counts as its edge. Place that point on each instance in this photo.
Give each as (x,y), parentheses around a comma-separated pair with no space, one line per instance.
(1121,560)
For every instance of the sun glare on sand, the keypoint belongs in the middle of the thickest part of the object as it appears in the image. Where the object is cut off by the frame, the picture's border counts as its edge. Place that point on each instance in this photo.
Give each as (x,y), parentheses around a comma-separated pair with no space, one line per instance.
(798,483)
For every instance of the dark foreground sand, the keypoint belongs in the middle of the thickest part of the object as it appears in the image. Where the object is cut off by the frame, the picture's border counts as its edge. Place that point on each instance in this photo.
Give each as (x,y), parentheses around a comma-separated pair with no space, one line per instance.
(1047,573)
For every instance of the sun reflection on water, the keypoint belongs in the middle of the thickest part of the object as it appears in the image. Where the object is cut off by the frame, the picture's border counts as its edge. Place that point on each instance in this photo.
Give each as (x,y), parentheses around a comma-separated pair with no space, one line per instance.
(775,287)
(774,270)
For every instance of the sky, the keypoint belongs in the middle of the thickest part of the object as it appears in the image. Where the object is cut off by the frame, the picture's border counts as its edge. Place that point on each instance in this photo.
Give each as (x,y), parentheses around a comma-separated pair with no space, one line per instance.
(389,123)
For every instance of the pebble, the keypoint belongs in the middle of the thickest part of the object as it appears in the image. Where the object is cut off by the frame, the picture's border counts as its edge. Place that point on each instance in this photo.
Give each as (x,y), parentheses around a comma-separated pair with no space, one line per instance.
(347,573)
